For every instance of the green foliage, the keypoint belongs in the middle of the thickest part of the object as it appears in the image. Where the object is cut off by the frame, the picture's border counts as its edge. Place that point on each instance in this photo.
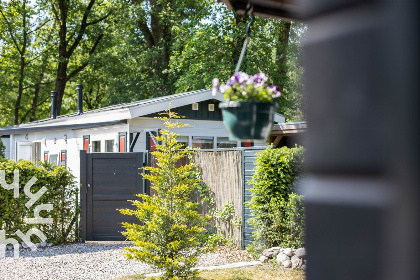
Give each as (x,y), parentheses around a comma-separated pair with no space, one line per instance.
(294,224)
(276,209)
(171,230)
(187,40)
(225,217)
(61,193)
(2,149)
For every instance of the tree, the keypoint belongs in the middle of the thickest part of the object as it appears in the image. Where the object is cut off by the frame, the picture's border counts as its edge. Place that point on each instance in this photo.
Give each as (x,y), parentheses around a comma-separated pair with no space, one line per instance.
(78,24)
(171,229)
(26,34)
(212,49)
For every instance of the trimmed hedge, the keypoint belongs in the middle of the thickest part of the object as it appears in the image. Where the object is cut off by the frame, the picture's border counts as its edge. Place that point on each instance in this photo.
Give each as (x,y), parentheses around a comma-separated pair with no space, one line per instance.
(61,192)
(279,213)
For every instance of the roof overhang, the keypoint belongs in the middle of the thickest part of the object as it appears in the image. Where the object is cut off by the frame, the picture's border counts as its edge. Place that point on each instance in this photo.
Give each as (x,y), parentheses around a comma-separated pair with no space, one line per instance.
(23,130)
(281,9)
(286,129)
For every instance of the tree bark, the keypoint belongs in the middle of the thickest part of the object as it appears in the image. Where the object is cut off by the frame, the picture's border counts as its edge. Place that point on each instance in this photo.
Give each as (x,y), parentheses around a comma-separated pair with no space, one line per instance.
(282,51)
(22,66)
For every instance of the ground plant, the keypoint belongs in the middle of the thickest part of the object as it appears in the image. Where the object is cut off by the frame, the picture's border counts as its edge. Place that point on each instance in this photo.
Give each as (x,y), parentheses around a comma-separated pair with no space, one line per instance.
(278,211)
(170,231)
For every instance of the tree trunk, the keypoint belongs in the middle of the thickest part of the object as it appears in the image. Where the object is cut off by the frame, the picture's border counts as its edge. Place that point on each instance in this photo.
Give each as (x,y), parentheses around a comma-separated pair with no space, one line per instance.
(282,51)
(22,66)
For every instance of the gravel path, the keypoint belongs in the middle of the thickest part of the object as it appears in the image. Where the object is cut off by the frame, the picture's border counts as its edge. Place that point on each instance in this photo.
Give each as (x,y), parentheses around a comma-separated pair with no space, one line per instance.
(94,260)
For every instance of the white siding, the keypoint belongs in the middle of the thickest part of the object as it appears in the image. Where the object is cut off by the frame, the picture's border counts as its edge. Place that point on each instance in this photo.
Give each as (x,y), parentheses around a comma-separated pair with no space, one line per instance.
(197,128)
(101,134)
(74,142)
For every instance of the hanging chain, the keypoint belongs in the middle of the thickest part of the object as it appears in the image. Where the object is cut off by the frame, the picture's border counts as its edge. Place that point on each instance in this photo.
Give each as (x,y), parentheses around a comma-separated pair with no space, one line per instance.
(248,33)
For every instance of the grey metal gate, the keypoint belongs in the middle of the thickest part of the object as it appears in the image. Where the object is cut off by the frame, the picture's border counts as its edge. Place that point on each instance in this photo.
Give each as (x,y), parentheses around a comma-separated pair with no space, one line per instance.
(108,180)
(248,166)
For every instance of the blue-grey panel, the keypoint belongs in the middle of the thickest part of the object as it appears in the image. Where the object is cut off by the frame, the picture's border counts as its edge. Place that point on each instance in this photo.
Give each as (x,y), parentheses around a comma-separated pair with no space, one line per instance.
(249,157)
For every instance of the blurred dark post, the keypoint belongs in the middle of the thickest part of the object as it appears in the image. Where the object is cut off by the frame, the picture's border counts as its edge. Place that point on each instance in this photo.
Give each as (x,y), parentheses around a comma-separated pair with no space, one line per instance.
(363,157)
(363,138)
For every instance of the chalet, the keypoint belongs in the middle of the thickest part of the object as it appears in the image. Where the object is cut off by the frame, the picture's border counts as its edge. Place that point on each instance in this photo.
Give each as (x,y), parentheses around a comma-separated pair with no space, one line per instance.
(120,128)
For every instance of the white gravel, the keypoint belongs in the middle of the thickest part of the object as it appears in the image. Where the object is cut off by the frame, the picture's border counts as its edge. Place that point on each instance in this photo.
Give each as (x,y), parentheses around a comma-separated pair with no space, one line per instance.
(93,260)
(76,261)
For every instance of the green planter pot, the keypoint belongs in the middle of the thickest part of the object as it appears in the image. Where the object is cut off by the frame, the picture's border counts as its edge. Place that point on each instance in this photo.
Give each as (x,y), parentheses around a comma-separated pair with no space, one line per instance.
(248,120)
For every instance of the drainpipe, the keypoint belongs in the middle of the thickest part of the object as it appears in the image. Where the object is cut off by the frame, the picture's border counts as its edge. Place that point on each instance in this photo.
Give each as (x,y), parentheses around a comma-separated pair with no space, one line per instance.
(79,99)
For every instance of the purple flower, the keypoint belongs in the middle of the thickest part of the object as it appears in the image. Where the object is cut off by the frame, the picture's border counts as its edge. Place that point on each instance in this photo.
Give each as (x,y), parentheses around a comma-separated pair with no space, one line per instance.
(259,79)
(274,91)
(241,77)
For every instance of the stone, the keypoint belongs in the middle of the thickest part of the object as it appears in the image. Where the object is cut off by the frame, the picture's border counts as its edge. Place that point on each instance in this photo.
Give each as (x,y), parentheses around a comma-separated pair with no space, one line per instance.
(37,245)
(49,244)
(24,245)
(287,264)
(301,253)
(264,259)
(270,253)
(43,244)
(282,257)
(9,247)
(296,261)
(288,252)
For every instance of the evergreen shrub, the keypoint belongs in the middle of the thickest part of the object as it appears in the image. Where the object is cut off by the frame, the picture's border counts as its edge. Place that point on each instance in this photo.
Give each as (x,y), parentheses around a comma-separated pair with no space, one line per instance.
(170,232)
(278,212)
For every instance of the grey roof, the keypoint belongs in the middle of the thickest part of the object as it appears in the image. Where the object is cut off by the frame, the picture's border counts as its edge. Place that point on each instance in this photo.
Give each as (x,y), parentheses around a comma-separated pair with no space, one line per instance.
(126,105)
(126,110)
(117,113)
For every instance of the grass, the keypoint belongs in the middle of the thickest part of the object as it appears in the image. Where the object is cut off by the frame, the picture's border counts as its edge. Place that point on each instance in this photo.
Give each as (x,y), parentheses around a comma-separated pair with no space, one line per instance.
(244,273)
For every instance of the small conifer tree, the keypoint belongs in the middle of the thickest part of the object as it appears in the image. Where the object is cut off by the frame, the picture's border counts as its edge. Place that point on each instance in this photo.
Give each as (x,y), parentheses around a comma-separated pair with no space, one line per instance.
(171,231)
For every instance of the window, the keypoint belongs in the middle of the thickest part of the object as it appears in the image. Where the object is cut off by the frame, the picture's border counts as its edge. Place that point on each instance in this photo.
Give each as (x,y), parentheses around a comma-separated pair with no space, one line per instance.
(246,144)
(202,142)
(86,142)
(25,151)
(46,156)
(63,158)
(109,146)
(183,140)
(151,141)
(224,142)
(37,150)
(195,106)
(211,107)
(122,136)
(53,159)
(96,146)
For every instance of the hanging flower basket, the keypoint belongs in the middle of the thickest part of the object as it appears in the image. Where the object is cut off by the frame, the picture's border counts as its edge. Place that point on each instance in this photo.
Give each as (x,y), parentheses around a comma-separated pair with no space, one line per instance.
(248,112)
(248,120)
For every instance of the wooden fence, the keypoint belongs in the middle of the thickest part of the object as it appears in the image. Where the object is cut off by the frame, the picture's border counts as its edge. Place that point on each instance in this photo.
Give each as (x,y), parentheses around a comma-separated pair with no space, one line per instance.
(222,172)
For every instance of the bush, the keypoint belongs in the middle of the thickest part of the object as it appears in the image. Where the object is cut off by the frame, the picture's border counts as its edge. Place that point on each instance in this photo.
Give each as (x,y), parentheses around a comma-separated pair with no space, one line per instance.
(2,149)
(293,234)
(273,203)
(61,192)
(171,231)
